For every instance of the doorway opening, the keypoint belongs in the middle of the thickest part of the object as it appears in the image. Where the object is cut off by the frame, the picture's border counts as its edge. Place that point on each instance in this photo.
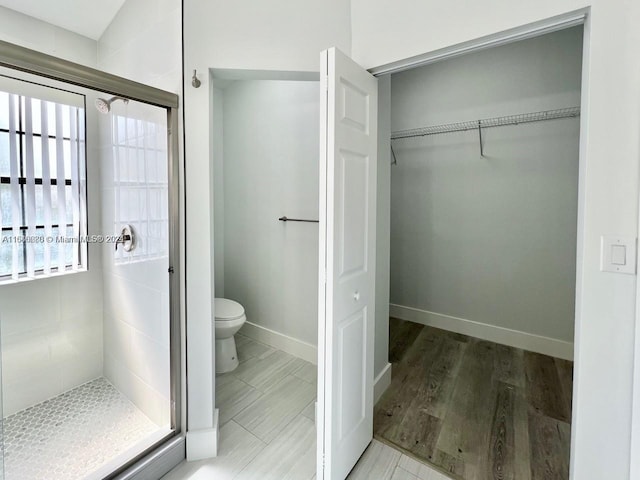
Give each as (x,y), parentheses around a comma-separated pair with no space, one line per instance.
(484,192)
(265,183)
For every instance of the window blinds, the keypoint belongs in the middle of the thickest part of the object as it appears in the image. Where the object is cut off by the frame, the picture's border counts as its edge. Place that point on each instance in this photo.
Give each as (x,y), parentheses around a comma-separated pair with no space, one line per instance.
(46,176)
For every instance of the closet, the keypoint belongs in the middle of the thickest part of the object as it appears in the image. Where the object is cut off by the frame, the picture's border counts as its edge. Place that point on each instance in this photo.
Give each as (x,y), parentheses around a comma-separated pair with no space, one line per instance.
(483,221)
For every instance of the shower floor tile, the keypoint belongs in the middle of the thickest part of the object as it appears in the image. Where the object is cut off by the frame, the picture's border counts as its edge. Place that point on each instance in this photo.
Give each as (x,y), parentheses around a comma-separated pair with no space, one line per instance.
(71,435)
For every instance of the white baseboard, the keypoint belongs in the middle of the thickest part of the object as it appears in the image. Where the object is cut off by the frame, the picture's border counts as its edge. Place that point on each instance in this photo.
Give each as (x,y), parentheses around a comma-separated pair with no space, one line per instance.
(203,443)
(504,336)
(287,344)
(381,383)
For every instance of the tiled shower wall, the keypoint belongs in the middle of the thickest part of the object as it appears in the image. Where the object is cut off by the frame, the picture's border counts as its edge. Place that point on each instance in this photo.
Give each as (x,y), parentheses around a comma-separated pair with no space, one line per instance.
(52,333)
(141,43)
(136,283)
(51,328)
(51,336)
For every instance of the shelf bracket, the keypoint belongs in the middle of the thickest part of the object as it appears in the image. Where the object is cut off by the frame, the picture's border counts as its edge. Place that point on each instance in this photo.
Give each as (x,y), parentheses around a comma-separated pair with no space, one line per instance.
(480,138)
(395,160)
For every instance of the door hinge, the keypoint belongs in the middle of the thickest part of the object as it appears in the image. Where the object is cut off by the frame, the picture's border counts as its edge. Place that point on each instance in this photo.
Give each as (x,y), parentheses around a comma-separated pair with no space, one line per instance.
(325,81)
(170,269)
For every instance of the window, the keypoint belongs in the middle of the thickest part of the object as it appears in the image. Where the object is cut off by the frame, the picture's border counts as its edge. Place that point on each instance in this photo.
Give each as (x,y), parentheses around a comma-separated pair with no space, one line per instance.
(141,181)
(42,181)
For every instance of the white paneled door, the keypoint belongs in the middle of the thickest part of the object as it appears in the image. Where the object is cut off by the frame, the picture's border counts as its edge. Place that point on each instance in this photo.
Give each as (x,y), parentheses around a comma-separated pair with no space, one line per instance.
(348,157)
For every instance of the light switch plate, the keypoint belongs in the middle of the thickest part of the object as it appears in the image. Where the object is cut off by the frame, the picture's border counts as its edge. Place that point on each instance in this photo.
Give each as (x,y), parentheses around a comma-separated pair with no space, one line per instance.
(618,254)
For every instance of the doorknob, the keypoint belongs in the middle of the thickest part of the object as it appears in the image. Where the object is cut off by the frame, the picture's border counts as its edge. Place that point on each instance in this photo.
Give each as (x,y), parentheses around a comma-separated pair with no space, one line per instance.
(356,295)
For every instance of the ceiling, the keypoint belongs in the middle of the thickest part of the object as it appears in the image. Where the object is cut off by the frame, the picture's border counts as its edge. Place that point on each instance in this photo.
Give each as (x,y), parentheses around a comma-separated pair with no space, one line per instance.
(85,17)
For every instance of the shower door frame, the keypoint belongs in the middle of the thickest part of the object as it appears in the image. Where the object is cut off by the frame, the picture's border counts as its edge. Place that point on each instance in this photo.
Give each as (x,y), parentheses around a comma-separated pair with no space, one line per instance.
(169,451)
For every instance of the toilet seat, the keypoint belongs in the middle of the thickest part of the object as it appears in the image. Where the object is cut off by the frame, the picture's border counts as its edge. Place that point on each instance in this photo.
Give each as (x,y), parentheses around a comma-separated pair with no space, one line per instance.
(227,310)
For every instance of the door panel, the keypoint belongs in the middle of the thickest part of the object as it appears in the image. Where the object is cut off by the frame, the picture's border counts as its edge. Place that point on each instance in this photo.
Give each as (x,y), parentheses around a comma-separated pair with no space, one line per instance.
(351,189)
(347,263)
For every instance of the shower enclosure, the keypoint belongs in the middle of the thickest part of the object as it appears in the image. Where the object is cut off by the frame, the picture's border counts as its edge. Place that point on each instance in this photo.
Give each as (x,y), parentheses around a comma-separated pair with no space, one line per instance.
(89,271)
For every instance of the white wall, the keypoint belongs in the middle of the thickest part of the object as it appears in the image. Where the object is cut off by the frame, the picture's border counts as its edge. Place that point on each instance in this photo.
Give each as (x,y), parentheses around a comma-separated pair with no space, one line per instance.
(143,44)
(37,35)
(259,35)
(385,32)
(270,170)
(51,328)
(493,239)
(277,35)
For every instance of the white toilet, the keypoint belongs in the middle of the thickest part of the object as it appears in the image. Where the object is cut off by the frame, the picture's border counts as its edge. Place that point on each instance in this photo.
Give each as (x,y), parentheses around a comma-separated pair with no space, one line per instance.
(229,318)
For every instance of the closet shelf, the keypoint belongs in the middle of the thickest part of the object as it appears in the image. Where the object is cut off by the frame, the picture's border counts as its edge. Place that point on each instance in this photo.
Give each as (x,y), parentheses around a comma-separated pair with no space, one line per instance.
(488,123)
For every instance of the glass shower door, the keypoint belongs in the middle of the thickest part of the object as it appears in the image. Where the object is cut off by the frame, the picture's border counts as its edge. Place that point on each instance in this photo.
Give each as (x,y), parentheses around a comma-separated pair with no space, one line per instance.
(87,344)
(1,416)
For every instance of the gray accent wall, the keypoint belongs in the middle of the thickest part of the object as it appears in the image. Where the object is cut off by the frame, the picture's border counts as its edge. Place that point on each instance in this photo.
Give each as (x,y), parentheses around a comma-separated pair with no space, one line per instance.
(492,239)
(270,170)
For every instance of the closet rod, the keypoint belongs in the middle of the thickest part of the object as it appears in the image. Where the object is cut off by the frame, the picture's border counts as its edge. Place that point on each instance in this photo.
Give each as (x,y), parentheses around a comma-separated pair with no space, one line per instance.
(488,123)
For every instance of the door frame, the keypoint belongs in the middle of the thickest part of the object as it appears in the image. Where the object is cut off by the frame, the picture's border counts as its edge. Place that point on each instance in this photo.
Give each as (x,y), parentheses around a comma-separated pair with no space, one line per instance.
(170,450)
(549,25)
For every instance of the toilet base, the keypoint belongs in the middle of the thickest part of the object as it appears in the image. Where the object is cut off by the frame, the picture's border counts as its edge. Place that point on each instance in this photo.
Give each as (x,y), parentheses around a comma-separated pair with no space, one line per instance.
(226,355)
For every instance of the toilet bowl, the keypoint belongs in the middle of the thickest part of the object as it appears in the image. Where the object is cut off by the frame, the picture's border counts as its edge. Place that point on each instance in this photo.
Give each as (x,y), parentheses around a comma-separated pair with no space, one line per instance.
(229,318)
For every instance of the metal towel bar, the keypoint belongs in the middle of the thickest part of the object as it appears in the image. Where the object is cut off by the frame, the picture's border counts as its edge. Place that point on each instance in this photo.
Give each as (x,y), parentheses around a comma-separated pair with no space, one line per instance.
(286,219)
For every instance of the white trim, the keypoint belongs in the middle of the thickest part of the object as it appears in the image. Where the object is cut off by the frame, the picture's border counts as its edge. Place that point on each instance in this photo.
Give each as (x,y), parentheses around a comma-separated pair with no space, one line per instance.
(536,29)
(634,467)
(381,383)
(324,376)
(635,409)
(579,398)
(203,444)
(493,333)
(287,344)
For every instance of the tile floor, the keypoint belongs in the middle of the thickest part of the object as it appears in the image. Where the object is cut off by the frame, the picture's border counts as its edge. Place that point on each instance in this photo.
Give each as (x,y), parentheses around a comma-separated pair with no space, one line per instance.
(71,435)
(267,410)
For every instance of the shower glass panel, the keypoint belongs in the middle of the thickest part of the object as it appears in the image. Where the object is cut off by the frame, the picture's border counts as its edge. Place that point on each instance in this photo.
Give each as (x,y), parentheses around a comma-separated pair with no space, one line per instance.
(1,419)
(84,280)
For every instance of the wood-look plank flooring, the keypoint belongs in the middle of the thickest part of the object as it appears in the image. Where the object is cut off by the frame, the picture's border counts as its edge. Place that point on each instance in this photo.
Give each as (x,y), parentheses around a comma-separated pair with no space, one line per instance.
(474,409)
